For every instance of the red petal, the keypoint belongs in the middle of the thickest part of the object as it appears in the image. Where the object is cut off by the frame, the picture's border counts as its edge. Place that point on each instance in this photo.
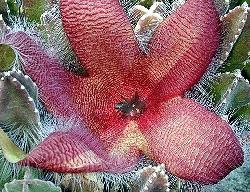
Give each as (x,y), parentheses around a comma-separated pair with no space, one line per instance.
(67,152)
(192,142)
(90,99)
(53,81)
(101,35)
(62,91)
(183,46)
(75,152)
(103,39)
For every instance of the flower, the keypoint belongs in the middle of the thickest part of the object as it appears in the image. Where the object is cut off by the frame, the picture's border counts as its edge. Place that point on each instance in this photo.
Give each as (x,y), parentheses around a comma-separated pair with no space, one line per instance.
(132,103)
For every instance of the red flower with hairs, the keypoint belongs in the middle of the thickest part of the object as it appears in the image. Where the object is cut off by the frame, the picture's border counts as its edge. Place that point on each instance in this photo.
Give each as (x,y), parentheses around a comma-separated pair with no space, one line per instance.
(132,103)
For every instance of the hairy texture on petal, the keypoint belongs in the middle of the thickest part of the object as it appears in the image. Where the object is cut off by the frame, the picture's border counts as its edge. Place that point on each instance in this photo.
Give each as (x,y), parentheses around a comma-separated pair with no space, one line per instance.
(86,99)
(75,152)
(222,6)
(192,142)
(45,70)
(66,94)
(67,152)
(101,35)
(182,47)
(102,38)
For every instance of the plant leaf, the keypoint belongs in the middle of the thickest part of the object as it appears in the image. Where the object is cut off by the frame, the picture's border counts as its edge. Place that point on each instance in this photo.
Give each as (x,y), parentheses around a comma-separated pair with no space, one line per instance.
(7,57)
(152,179)
(147,3)
(3,9)
(239,55)
(231,93)
(17,107)
(243,113)
(33,9)
(13,7)
(232,25)
(27,82)
(10,150)
(30,185)
(234,3)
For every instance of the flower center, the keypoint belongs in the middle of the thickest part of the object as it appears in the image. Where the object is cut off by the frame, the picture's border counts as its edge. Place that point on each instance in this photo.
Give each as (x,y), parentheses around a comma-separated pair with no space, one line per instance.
(133,107)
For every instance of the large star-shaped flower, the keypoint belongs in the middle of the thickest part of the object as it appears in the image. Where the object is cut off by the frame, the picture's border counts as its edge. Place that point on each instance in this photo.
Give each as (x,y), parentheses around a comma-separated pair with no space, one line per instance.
(132,103)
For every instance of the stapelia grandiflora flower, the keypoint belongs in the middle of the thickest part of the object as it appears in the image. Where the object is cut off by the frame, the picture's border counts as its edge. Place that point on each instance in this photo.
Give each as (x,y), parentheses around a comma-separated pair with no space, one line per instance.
(132,103)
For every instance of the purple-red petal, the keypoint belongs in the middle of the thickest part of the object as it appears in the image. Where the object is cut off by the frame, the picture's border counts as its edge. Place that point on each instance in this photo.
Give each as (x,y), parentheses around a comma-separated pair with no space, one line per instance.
(67,152)
(53,80)
(192,142)
(101,35)
(75,152)
(182,48)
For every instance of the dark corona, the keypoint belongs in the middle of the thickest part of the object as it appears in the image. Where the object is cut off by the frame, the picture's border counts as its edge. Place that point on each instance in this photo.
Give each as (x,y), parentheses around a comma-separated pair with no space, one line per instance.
(133,107)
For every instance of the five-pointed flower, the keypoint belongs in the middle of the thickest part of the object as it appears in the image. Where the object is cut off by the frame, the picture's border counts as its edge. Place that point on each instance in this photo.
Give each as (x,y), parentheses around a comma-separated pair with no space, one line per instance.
(132,103)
